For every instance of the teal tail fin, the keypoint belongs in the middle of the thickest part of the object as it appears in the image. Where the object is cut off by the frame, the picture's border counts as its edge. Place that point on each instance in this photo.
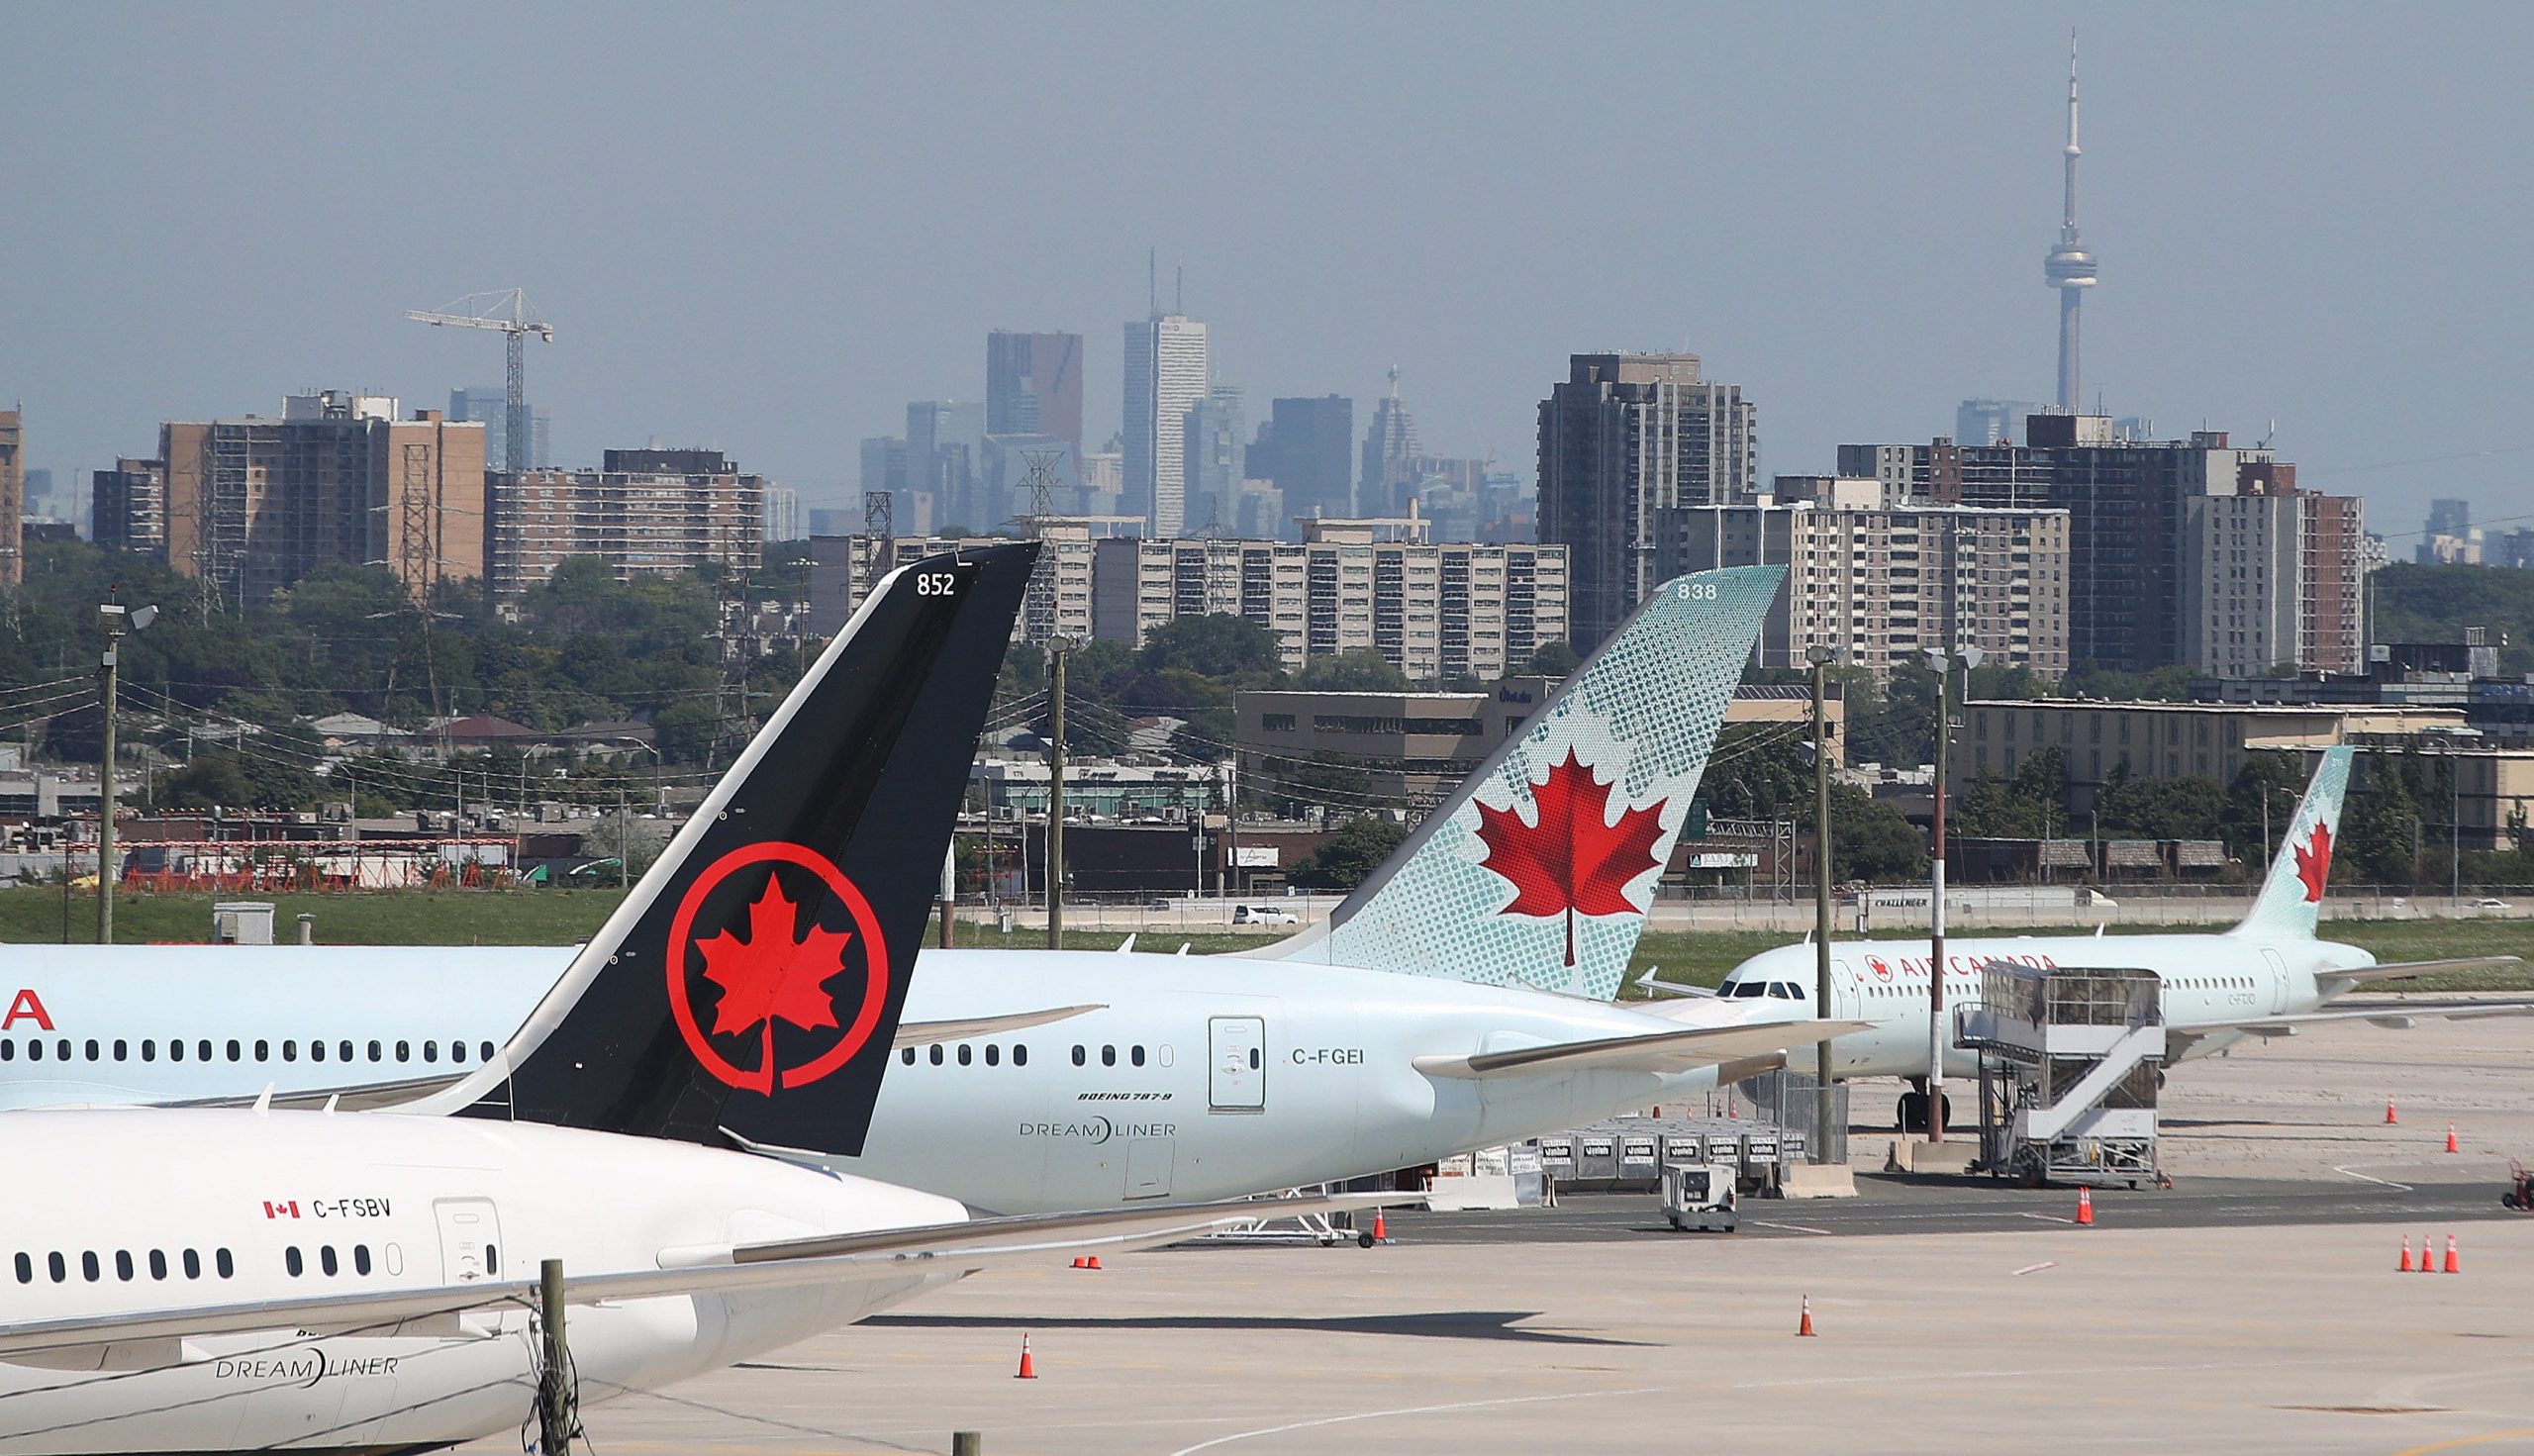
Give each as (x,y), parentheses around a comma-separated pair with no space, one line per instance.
(2292,894)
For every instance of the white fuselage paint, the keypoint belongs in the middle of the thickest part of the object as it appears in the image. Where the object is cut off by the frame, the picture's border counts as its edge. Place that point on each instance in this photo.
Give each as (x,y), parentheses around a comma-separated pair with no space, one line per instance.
(2207,978)
(1147,1113)
(421,1203)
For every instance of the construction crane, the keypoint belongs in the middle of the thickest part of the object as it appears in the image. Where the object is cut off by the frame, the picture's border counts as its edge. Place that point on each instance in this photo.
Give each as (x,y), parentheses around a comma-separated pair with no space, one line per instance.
(507,310)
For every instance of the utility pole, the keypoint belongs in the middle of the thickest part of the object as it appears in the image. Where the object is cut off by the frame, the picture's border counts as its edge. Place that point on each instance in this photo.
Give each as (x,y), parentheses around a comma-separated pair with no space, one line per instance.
(949,886)
(117,621)
(1822,1093)
(624,842)
(1936,1038)
(554,1415)
(1057,647)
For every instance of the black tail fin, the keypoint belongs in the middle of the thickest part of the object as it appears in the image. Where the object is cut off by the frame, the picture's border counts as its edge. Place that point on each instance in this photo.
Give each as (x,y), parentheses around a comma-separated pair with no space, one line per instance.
(749,985)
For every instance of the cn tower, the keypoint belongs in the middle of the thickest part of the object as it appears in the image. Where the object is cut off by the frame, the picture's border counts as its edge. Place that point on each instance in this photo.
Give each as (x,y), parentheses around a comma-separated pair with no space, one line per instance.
(2071,265)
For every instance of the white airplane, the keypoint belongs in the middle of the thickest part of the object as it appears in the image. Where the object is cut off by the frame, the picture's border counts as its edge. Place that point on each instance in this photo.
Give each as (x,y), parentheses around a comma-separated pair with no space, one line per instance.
(2265,977)
(1030,1081)
(191,1280)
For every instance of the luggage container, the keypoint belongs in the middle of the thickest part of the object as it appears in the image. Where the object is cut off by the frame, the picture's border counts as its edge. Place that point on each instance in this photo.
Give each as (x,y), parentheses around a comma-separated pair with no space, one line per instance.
(1596,1159)
(1640,1159)
(1557,1159)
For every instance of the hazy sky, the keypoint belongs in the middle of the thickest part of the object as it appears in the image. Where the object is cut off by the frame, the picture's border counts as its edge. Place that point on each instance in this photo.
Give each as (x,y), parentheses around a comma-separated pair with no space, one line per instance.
(766,226)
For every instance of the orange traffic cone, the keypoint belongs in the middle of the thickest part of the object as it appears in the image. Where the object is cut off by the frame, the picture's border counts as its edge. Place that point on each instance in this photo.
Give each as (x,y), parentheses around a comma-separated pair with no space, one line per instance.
(2389,1119)
(1804,1329)
(1028,1370)
(2084,1207)
(2427,1260)
(1079,1262)
(1381,1226)
(2406,1255)
(2452,1264)
(1090,1263)
(2449,1139)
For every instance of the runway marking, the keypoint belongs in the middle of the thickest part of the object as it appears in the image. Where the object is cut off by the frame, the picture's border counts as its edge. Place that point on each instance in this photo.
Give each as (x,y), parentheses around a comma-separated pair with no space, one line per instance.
(2036,1268)
(2348,1172)
(1794,1228)
(2480,1440)
(2048,1218)
(1276,1431)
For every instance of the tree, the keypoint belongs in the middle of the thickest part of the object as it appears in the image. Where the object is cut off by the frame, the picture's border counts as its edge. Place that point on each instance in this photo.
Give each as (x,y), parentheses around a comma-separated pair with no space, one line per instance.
(1553,659)
(1216,644)
(2267,778)
(1354,852)
(684,731)
(1322,782)
(1355,670)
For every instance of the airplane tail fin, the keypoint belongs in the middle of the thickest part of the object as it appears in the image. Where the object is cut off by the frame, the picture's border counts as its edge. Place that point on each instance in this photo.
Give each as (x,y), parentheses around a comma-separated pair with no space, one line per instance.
(2290,901)
(1540,870)
(748,986)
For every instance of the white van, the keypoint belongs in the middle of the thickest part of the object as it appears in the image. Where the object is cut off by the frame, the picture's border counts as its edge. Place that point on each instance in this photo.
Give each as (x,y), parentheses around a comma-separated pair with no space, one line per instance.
(1263,914)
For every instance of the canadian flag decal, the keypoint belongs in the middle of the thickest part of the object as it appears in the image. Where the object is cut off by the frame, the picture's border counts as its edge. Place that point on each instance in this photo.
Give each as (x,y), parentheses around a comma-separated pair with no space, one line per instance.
(288,1209)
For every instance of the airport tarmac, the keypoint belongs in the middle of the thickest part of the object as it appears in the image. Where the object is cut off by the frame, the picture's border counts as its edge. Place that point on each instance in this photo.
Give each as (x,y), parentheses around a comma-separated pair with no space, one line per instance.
(2254,1308)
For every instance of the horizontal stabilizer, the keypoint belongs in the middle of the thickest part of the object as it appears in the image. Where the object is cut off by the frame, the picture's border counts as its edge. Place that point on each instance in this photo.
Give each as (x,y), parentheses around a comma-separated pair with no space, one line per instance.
(1659,1052)
(898,1253)
(925,1033)
(2402,969)
(2181,1037)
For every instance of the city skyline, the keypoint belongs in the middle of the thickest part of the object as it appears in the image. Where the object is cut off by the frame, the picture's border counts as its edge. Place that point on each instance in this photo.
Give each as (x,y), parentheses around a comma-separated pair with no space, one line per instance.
(2193,180)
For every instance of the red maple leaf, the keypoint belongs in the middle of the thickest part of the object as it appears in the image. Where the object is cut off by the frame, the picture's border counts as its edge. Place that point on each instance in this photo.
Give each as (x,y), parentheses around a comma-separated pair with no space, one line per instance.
(2314,865)
(1571,861)
(774,972)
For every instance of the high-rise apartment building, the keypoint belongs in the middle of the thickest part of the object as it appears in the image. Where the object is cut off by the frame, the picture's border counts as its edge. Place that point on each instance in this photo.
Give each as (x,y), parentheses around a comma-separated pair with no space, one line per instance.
(1033,385)
(250,506)
(1214,451)
(1390,475)
(1435,612)
(1623,438)
(127,508)
(1878,580)
(13,499)
(2451,538)
(488,405)
(645,511)
(1165,378)
(1306,448)
(2271,579)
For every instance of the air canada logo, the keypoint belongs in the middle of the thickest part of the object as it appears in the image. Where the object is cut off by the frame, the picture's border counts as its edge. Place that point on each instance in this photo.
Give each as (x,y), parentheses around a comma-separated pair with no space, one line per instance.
(2314,863)
(1570,859)
(772,939)
(1882,968)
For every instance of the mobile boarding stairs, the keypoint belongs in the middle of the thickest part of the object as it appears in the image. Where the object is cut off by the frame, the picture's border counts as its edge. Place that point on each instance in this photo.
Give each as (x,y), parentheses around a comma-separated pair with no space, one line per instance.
(2070,1063)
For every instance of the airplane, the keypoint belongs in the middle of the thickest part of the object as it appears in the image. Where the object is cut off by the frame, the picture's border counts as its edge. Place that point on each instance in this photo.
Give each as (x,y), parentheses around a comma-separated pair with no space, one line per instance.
(1034,1081)
(2266,977)
(197,1279)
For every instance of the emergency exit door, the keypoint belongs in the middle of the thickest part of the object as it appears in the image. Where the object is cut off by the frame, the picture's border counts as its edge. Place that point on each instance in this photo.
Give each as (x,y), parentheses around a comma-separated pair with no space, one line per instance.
(470,1240)
(1237,1082)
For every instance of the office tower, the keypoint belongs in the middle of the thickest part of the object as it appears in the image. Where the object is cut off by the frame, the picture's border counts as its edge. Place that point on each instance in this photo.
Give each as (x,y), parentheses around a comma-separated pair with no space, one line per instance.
(253,504)
(1216,451)
(1306,449)
(127,508)
(13,499)
(2070,267)
(1992,578)
(944,442)
(644,511)
(1626,435)
(883,464)
(488,405)
(1389,452)
(1992,422)
(1033,385)
(1165,378)
(781,515)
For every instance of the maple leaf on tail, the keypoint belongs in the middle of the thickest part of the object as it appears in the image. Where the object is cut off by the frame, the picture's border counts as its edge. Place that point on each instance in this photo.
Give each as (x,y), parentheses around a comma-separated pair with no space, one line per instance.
(777,972)
(1571,861)
(2314,864)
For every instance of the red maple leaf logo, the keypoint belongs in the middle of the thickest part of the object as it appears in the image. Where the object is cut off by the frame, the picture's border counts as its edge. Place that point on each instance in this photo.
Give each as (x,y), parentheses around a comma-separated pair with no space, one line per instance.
(1572,861)
(2314,865)
(776,972)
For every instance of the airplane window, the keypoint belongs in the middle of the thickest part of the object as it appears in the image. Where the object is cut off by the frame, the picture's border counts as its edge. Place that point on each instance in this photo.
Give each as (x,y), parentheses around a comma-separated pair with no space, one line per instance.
(148,1050)
(361,1258)
(34,1051)
(123,1264)
(226,1265)
(1781,991)
(193,1265)
(937,1053)
(291,1261)
(158,1263)
(290,1050)
(1107,1056)
(1021,1056)
(488,1052)
(123,1049)
(342,1051)
(1254,1059)
(373,1051)
(394,1257)
(8,1051)
(1135,1054)
(431,1051)
(92,1048)
(233,1051)
(88,1266)
(492,1260)
(326,1259)
(61,1049)
(967,1054)
(58,1270)
(905,1054)
(316,1052)
(263,1050)
(404,1051)
(458,1052)
(26,1268)
(994,1055)
(202,1051)
(1077,1055)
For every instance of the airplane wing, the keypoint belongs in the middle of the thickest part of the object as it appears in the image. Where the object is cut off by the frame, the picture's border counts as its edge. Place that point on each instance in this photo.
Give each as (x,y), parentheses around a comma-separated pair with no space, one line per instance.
(925,1033)
(2399,969)
(144,1338)
(1659,1052)
(2182,1037)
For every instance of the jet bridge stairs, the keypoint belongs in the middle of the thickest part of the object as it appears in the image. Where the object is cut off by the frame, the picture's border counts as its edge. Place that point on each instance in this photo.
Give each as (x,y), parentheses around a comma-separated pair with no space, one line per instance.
(2071,1060)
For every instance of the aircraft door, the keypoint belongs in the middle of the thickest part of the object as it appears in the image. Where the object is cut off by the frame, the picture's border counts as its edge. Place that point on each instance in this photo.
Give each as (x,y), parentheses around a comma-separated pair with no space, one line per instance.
(2277,969)
(470,1239)
(1148,1164)
(1237,1080)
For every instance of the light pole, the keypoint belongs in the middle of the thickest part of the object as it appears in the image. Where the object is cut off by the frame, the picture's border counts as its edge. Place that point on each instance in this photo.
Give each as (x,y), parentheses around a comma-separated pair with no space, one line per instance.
(1058,649)
(1968,656)
(1819,656)
(117,621)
